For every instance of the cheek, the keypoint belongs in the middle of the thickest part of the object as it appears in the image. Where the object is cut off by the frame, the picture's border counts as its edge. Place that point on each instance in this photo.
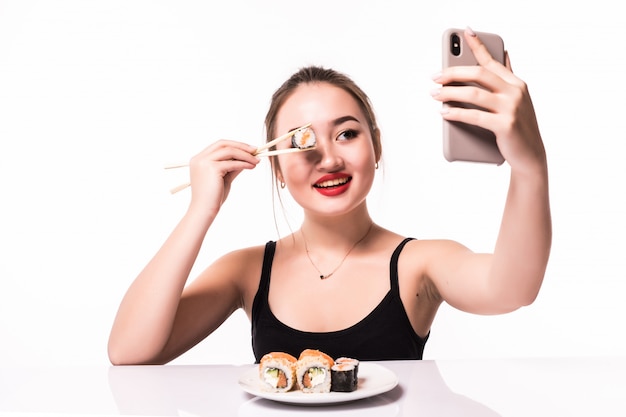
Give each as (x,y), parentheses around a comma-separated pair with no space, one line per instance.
(367,157)
(367,167)
(369,173)
(293,170)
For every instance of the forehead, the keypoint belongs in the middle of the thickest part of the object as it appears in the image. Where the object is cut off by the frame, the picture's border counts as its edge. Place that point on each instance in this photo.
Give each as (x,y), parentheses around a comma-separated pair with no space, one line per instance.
(317,102)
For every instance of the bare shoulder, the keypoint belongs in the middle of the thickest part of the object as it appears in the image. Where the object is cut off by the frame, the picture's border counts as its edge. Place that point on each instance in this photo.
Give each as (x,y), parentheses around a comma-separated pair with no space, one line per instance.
(434,254)
(242,268)
(233,275)
(417,250)
(421,260)
(242,259)
(238,264)
(434,248)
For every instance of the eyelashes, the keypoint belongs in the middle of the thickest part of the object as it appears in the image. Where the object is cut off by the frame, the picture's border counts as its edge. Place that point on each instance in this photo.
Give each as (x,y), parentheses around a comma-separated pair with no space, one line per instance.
(348,134)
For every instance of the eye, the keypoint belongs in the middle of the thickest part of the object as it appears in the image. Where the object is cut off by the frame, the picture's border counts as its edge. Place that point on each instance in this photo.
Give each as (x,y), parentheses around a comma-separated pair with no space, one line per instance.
(348,134)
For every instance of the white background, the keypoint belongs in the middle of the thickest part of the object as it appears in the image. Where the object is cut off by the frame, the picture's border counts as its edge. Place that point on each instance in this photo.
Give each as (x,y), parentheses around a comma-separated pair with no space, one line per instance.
(96,96)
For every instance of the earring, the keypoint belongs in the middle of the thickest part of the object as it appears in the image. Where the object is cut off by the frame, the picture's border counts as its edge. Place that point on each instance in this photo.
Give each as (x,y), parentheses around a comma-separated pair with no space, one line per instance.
(282,185)
(376,165)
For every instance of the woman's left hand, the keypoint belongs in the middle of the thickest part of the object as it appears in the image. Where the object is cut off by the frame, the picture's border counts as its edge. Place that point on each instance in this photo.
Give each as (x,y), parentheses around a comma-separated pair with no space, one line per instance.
(508,113)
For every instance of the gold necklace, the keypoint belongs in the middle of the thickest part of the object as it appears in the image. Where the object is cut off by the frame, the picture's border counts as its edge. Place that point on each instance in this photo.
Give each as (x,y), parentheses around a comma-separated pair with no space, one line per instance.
(324,276)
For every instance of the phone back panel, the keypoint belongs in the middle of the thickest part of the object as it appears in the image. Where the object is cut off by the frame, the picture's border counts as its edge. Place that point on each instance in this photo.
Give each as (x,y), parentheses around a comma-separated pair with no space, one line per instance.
(461,141)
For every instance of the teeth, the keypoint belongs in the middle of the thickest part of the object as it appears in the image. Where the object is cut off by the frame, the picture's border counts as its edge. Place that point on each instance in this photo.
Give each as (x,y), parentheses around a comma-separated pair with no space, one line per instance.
(332,183)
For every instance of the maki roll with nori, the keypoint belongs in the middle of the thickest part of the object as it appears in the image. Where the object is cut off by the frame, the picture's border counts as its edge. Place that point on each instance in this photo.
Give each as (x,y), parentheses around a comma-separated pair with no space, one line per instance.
(352,361)
(304,139)
(344,375)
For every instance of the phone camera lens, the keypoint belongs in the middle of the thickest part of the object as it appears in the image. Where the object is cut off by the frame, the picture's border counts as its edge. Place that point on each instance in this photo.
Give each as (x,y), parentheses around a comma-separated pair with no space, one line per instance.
(455,44)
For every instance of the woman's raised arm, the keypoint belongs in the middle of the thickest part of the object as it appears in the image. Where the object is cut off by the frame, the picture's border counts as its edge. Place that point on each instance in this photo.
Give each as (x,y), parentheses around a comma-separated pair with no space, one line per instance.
(147,316)
(513,275)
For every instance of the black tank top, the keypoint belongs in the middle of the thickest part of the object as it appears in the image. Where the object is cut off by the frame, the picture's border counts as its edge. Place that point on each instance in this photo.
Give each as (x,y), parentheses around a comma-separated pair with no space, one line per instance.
(384,334)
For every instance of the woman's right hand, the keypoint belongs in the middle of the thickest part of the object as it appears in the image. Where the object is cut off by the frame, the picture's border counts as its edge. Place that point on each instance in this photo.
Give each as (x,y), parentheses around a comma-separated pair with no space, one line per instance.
(213,170)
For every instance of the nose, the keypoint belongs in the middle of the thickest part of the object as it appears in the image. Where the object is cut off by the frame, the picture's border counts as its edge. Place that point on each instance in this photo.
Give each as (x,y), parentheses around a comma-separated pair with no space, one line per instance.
(328,156)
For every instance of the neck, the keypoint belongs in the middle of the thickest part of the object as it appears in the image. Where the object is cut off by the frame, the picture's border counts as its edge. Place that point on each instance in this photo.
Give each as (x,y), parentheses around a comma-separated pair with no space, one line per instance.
(333,236)
(325,274)
(326,230)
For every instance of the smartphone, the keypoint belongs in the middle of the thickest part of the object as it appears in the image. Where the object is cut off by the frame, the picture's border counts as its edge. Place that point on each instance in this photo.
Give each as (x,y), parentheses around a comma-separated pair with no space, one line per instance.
(462,141)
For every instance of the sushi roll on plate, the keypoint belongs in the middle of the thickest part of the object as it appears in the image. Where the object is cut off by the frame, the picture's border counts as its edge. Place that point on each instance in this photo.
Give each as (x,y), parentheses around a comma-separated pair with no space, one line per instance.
(344,375)
(313,371)
(352,361)
(277,372)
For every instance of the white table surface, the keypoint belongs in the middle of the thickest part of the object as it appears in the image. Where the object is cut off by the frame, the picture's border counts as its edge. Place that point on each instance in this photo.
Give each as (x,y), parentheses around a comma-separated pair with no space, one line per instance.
(497,387)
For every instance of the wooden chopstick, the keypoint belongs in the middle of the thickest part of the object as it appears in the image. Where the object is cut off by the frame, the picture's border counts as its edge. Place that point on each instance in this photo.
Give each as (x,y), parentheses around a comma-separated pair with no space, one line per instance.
(180,165)
(279,139)
(179,188)
(282,151)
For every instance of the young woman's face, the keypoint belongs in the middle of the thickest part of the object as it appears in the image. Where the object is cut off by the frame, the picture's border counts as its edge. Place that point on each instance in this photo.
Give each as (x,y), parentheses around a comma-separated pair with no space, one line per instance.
(335,177)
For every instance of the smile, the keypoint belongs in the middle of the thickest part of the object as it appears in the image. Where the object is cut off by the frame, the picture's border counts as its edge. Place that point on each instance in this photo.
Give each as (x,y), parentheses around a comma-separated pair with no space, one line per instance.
(333,183)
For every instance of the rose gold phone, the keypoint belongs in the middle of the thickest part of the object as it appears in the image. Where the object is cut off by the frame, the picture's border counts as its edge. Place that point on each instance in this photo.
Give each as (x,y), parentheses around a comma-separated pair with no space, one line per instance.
(461,141)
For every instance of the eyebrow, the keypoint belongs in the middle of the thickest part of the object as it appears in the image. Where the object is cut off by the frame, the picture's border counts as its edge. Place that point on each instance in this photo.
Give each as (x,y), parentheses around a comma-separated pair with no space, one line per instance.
(338,121)
(344,119)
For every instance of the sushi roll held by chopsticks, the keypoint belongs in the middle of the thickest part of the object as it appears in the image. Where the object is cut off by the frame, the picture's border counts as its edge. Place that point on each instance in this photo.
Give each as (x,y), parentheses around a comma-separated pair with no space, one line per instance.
(304,139)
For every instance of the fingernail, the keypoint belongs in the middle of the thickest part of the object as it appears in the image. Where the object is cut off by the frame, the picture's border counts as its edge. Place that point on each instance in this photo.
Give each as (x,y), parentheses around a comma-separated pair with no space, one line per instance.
(470,32)
(436,76)
(435,92)
(444,110)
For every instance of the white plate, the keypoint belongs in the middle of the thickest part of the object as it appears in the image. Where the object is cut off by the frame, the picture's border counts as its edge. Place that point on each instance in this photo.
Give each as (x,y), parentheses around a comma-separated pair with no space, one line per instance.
(374,379)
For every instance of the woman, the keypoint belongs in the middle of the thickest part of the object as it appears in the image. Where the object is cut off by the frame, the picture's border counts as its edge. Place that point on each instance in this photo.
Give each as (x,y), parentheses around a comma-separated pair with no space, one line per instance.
(343,284)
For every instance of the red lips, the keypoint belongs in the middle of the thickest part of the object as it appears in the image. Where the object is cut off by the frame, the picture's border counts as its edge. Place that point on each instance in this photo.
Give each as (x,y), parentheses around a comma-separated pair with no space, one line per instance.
(333,184)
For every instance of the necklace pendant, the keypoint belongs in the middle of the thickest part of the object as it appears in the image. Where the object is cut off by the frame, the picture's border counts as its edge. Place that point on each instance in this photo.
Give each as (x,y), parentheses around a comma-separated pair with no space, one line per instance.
(322,276)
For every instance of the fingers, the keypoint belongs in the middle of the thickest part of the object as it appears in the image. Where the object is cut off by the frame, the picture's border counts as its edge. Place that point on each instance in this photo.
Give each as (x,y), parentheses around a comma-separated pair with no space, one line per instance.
(488,85)
(472,95)
(217,165)
(213,170)
(476,75)
(507,61)
(480,51)
(232,152)
(230,148)
(486,60)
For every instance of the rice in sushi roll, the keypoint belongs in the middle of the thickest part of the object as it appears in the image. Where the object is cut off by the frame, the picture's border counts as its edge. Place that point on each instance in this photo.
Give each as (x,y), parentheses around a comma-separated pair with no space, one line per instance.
(304,139)
(352,361)
(313,371)
(277,372)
